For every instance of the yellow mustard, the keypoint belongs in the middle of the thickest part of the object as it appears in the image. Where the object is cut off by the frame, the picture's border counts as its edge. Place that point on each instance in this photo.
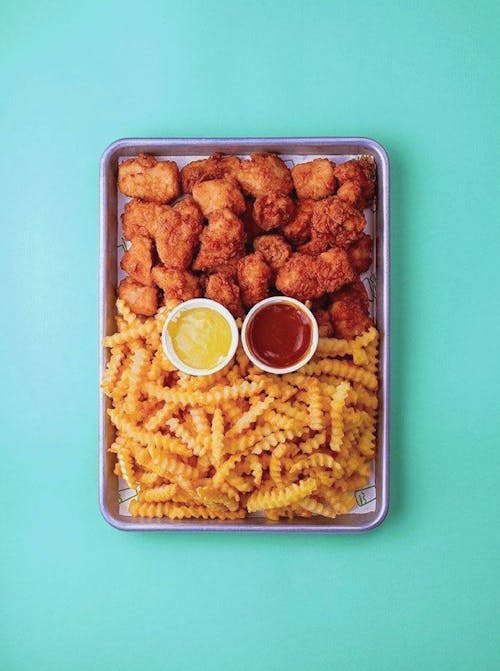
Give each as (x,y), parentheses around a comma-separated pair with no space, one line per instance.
(200,337)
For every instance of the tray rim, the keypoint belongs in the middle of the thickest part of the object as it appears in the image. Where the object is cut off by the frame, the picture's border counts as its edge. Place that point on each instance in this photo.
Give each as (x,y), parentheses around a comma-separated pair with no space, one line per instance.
(383,205)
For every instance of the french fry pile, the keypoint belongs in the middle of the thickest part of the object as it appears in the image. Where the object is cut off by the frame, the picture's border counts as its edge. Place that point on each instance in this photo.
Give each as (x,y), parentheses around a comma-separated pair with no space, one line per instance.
(240,441)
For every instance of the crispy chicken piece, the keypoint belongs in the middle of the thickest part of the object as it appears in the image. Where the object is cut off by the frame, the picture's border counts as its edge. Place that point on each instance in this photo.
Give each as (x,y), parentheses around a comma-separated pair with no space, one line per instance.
(356,182)
(224,290)
(297,278)
(349,311)
(217,194)
(138,260)
(254,278)
(305,278)
(264,173)
(141,218)
(314,179)
(360,254)
(177,238)
(222,240)
(325,327)
(274,249)
(229,269)
(215,167)
(141,299)
(176,283)
(333,269)
(190,212)
(334,222)
(273,210)
(298,230)
(145,177)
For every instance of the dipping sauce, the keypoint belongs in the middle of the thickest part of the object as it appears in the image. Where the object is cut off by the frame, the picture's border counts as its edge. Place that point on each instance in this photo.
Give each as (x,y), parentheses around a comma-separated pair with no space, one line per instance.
(279,334)
(200,337)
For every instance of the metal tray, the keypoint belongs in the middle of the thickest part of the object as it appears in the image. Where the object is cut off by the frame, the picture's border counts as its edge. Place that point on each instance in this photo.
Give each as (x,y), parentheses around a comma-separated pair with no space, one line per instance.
(108,482)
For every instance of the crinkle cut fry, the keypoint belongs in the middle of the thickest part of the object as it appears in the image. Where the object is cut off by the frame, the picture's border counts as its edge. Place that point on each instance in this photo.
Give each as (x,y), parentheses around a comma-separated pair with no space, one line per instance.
(343,369)
(215,395)
(278,498)
(337,415)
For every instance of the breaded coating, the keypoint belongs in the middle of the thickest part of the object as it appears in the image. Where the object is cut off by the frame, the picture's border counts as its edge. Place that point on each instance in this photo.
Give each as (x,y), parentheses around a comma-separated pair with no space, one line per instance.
(189,211)
(349,311)
(229,269)
(222,240)
(224,290)
(334,223)
(305,278)
(360,254)
(298,278)
(333,269)
(176,239)
(254,278)
(314,179)
(217,194)
(325,328)
(298,230)
(264,173)
(274,249)
(215,167)
(356,182)
(141,217)
(138,260)
(176,283)
(145,177)
(273,210)
(141,299)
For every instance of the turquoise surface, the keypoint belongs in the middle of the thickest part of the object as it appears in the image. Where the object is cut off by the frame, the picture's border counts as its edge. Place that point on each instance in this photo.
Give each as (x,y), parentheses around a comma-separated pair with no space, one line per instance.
(421,592)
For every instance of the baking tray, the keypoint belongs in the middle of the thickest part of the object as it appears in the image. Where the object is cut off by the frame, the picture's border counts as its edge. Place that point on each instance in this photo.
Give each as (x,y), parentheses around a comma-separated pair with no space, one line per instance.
(321,146)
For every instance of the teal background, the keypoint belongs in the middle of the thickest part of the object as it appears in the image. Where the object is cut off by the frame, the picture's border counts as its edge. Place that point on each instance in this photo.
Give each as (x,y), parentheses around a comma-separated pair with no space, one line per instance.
(422,591)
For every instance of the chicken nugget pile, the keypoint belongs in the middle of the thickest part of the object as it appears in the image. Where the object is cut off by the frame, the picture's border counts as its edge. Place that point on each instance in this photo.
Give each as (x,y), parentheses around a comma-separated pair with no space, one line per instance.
(238,231)
(242,441)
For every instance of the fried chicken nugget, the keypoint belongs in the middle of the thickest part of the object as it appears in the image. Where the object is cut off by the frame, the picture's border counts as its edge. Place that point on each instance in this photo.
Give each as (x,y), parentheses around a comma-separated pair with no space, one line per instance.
(190,212)
(222,240)
(141,299)
(334,223)
(349,311)
(216,166)
(333,269)
(217,194)
(229,269)
(298,230)
(179,284)
(314,179)
(224,290)
(298,278)
(274,249)
(305,278)
(360,254)
(145,177)
(273,210)
(176,239)
(254,278)
(263,173)
(141,217)
(356,182)
(138,260)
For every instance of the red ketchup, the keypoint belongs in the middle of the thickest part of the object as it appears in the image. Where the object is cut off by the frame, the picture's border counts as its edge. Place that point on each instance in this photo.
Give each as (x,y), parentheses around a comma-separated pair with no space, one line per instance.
(279,334)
